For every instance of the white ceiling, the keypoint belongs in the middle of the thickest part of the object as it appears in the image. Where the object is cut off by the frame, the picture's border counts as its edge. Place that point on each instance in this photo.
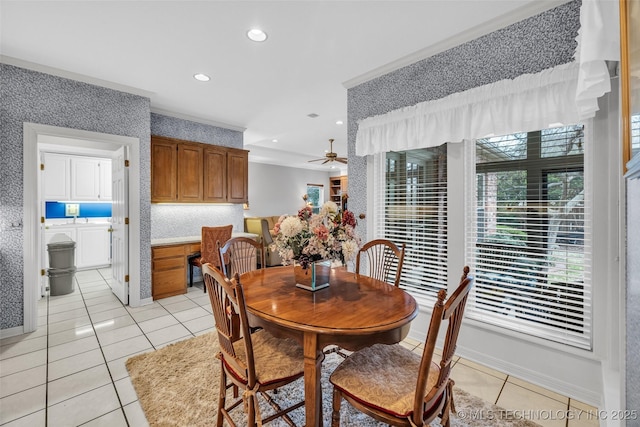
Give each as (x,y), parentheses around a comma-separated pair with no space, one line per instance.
(314,51)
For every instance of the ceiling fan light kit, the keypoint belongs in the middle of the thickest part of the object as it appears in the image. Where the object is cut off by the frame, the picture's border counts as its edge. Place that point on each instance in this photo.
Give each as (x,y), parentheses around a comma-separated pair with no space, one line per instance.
(330,156)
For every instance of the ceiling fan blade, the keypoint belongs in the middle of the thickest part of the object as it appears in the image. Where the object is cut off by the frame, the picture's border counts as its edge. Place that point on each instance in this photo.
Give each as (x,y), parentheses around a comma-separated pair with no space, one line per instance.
(316,160)
(341,160)
(328,160)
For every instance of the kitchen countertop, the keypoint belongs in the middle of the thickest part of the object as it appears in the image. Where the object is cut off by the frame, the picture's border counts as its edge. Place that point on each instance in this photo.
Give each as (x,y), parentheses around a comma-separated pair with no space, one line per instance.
(193,239)
(65,222)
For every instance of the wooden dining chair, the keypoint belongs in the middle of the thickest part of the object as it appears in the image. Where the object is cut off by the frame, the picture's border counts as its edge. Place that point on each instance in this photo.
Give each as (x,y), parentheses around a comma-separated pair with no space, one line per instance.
(209,248)
(380,380)
(254,362)
(242,254)
(382,256)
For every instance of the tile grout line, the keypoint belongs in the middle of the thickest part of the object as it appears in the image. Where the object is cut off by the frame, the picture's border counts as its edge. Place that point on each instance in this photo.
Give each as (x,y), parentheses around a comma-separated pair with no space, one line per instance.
(121,407)
(46,369)
(106,364)
(501,389)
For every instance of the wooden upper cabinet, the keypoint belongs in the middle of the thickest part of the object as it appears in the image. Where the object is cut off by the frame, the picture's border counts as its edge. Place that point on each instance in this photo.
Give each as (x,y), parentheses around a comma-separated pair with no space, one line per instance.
(215,174)
(237,173)
(190,172)
(164,164)
(184,172)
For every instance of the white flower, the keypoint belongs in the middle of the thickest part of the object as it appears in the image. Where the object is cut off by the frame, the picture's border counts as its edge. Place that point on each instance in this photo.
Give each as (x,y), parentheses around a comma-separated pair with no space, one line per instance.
(349,249)
(329,209)
(291,226)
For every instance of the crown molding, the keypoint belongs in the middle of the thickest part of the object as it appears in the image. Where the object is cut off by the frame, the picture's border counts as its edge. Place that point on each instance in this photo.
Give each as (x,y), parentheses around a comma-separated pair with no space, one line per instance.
(531,9)
(197,119)
(73,76)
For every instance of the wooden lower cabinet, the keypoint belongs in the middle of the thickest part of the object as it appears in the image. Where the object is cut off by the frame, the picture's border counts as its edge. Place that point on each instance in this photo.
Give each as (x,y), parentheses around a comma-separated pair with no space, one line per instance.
(169,269)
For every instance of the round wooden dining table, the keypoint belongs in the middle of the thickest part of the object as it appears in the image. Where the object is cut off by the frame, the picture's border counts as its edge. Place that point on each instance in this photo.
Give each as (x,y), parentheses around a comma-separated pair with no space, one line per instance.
(354,312)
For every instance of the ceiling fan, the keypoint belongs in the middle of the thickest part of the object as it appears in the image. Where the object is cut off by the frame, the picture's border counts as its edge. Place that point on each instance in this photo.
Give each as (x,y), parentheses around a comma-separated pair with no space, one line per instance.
(331,156)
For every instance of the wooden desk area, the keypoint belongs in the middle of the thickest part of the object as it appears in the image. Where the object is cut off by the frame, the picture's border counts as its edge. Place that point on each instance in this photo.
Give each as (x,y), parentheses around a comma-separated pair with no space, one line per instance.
(169,263)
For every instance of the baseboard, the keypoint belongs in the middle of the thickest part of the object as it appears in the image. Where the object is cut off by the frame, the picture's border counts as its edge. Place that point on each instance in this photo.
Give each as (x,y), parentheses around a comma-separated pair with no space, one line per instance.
(533,376)
(11,332)
(146,301)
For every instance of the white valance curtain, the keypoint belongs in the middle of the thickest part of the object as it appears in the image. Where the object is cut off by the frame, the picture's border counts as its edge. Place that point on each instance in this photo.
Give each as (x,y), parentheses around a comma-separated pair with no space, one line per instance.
(564,94)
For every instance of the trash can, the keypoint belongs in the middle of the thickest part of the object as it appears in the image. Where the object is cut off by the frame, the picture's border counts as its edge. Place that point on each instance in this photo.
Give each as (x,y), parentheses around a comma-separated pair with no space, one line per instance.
(61,281)
(62,267)
(61,251)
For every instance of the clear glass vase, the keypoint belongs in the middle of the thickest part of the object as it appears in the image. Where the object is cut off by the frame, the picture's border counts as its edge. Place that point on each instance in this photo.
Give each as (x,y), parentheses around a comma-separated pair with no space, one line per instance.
(314,277)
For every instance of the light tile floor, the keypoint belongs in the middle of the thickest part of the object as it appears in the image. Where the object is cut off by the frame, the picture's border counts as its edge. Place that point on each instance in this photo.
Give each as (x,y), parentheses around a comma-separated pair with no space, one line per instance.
(71,370)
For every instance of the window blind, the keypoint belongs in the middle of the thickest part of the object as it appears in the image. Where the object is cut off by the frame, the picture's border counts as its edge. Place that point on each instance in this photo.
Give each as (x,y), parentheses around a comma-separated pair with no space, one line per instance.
(529,240)
(412,209)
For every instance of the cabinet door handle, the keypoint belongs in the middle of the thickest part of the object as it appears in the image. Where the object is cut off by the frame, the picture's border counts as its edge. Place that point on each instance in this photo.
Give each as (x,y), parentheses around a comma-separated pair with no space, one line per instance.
(110,230)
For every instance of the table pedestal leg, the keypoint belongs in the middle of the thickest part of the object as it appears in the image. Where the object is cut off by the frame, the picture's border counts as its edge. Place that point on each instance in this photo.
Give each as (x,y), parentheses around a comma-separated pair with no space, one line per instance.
(313,357)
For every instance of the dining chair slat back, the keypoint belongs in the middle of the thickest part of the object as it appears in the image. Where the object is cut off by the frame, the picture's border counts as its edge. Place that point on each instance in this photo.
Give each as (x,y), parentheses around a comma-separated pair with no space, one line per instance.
(254,362)
(384,260)
(363,380)
(243,254)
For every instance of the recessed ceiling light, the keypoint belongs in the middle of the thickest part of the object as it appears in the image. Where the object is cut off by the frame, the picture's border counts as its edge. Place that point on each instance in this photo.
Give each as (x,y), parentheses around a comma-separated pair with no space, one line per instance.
(274,140)
(257,35)
(339,122)
(201,77)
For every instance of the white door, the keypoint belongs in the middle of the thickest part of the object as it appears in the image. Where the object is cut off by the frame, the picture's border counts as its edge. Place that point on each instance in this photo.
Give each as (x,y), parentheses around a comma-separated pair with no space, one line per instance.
(120,226)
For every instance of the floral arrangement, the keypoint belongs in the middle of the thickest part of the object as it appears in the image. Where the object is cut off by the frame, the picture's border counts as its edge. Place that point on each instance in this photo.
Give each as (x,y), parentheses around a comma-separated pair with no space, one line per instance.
(309,237)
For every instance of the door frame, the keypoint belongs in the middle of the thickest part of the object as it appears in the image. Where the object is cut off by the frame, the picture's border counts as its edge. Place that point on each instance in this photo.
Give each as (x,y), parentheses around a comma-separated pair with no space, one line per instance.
(33,210)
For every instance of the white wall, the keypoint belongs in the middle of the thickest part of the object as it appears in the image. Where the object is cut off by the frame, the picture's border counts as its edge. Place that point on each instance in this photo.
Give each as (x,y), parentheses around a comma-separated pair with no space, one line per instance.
(277,190)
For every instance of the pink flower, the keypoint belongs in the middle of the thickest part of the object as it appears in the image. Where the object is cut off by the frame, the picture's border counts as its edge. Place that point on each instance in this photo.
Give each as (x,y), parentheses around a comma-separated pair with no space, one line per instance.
(321,232)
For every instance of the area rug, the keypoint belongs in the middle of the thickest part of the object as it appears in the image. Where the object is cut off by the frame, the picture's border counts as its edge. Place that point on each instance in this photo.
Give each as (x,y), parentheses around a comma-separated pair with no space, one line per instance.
(177,386)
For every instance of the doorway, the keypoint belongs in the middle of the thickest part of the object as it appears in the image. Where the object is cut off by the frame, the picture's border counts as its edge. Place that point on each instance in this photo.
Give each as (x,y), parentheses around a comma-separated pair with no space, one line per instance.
(81,142)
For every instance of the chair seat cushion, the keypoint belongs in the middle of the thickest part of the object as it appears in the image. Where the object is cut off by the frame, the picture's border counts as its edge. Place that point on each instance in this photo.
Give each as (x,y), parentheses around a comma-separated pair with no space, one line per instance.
(383,377)
(275,359)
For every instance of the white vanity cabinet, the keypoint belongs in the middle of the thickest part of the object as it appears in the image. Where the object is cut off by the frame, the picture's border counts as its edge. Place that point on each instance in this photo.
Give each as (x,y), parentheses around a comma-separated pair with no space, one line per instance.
(76,178)
(93,243)
(93,247)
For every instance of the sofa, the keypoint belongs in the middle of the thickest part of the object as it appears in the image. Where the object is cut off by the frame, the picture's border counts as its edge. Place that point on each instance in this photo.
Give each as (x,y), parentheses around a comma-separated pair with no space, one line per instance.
(263,227)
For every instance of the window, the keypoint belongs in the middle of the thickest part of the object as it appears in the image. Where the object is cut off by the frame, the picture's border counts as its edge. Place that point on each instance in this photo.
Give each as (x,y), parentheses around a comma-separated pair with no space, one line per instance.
(411,208)
(315,196)
(529,242)
(635,133)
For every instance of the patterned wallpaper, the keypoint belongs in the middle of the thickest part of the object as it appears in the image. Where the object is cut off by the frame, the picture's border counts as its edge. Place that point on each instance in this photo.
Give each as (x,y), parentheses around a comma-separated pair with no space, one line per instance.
(29,96)
(633,296)
(169,220)
(529,46)
(172,127)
